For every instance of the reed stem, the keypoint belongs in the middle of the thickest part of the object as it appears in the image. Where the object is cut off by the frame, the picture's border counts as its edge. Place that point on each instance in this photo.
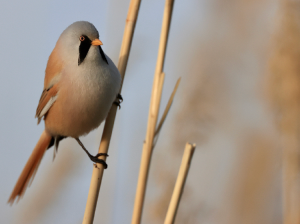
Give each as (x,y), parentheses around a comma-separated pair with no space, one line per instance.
(153,114)
(109,123)
(180,182)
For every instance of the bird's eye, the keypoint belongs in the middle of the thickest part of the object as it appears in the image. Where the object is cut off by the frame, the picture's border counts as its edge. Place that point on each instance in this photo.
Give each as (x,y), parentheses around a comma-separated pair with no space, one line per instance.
(81,38)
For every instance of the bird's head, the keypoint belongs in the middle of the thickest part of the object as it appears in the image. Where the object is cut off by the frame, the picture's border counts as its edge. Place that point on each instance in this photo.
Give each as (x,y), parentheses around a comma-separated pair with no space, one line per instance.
(77,40)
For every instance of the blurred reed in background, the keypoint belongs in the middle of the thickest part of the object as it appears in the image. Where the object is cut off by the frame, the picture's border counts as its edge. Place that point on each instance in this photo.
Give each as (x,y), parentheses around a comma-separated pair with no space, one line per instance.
(284,90)
(235,175)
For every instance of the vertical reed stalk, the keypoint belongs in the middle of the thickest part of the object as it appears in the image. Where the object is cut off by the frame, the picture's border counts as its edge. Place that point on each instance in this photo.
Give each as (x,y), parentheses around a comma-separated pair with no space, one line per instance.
(285,92)
(153,114)
(105,140)
(180,182)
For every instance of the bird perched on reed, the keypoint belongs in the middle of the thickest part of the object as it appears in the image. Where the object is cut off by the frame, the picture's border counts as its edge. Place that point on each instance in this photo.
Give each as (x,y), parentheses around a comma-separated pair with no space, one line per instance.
(81,84)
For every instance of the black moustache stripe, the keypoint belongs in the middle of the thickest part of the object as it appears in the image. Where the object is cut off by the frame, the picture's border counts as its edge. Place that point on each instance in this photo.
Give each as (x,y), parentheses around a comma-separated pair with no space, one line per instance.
(102,54)
(84,49)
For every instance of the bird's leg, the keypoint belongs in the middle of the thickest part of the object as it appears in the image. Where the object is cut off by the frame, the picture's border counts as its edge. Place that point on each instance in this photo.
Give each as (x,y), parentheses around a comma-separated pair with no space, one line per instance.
(93,158)
(119,100)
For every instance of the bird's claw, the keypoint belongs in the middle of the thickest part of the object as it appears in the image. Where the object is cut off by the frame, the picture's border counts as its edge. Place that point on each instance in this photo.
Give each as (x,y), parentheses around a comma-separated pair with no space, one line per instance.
(97,160)
(118,104)
(119,96)
(119,100)
(101,154)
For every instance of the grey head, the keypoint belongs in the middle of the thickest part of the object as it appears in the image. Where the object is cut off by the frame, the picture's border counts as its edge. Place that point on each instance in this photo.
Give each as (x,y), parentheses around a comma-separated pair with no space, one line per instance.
(76,41)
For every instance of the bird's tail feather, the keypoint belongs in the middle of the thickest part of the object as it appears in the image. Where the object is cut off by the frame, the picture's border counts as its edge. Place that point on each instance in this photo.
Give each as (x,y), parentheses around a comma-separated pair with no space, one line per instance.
(31,167)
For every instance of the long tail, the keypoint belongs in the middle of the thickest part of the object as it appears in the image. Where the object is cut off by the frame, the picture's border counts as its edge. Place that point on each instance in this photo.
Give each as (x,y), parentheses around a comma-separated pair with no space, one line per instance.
(31,167)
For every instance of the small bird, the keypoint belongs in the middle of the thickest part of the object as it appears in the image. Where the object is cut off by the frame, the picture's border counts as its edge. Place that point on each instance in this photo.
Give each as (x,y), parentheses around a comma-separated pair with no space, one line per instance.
(81,84)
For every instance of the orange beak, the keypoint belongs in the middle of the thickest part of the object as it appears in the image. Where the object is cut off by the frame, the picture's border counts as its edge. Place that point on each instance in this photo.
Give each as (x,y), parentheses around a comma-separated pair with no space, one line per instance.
(97,42)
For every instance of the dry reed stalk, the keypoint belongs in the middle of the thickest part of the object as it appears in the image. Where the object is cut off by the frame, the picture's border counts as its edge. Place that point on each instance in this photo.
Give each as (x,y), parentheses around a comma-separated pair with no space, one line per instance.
(153,114)
(166,111)
(109,123)
(180,182)
(285,93)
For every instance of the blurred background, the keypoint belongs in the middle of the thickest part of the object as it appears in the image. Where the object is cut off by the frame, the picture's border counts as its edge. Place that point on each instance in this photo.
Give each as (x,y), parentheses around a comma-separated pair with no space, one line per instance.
(238,101)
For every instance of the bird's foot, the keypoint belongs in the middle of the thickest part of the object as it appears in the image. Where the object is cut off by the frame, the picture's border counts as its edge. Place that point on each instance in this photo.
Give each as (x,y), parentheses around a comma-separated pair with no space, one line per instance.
(119,100)
(93,158)
(119,96)
(97,160)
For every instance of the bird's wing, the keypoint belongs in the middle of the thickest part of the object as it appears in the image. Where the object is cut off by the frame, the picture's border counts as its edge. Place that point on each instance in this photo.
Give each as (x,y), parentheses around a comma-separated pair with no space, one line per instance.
(47,99)
(52,77)
(54,67)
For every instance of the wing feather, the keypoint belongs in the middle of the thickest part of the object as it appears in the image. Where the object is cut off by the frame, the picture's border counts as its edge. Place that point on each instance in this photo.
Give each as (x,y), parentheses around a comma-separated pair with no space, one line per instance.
(52,77)
(47,99)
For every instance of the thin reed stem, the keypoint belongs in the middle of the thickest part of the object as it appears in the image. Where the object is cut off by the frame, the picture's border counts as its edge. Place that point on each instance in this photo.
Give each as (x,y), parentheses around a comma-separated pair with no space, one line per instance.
(180,182)
(164,116)
(109,123)
(153,114)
